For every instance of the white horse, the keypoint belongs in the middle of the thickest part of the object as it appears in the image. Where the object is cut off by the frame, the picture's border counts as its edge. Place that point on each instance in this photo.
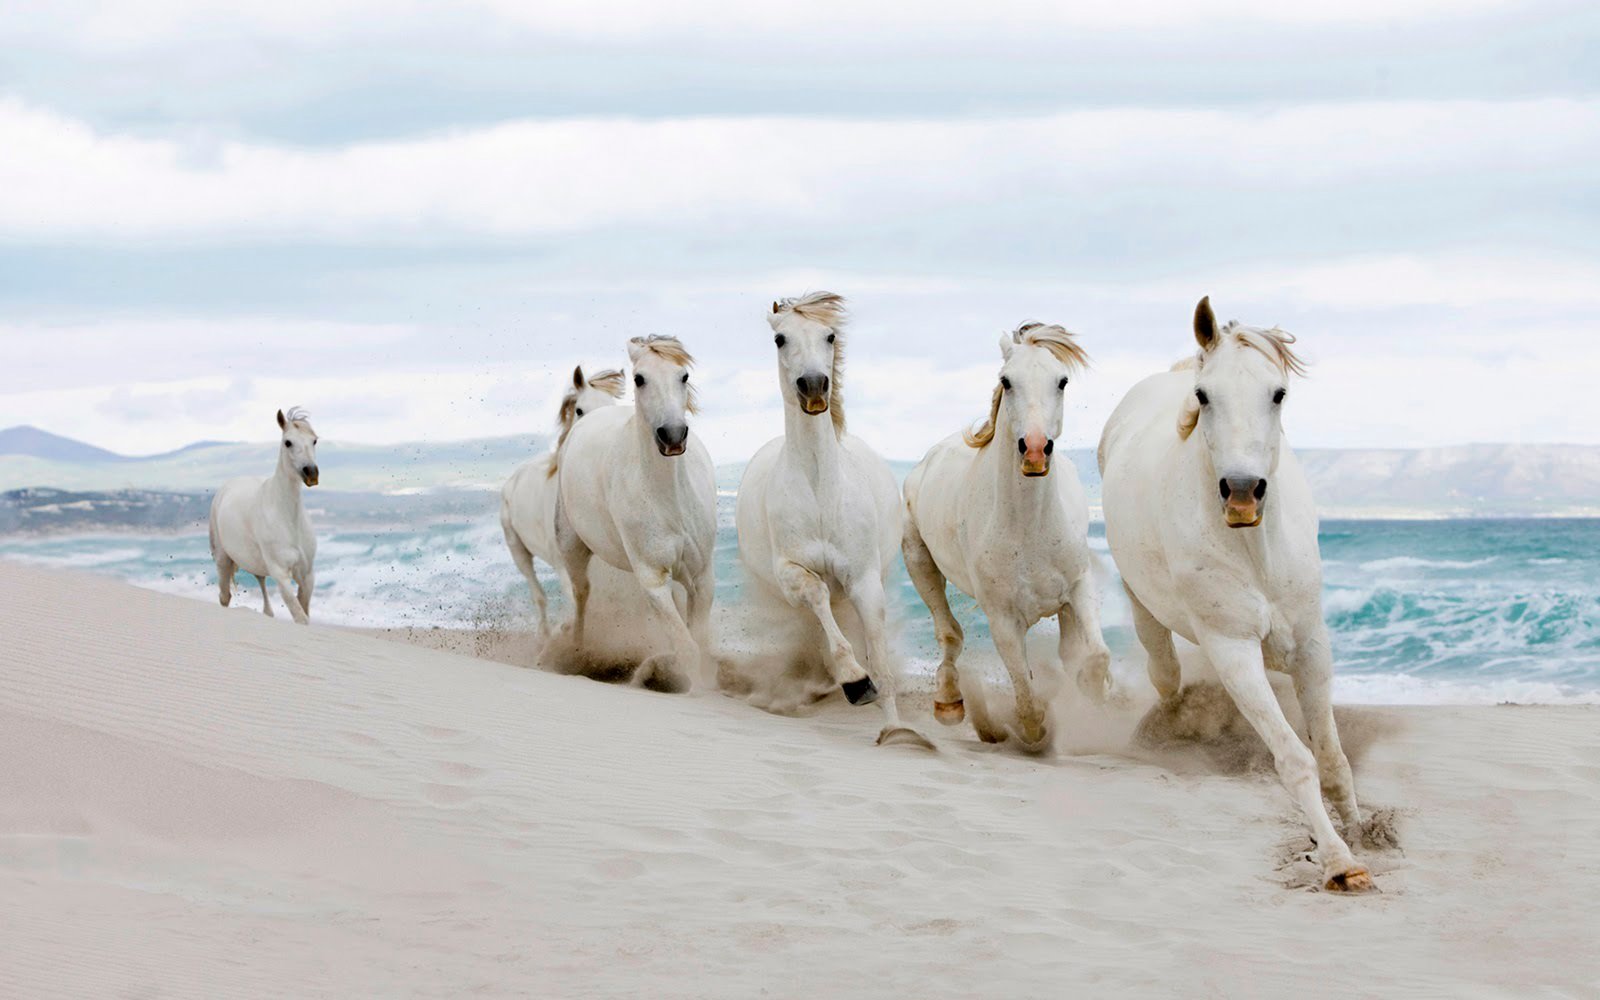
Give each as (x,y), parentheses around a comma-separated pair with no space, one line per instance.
(818,510)
(1007,531)
(1215,534)
(528,499)
(637,489)
(261,527)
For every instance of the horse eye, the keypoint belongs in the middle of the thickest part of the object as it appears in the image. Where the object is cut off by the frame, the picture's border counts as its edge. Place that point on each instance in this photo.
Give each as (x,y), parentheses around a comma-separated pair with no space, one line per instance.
(1005,383)
(286,444)
(580,412)
(1277,397)
(638,380)
(685,379)
(830,338)
(780,340)
(1063,383)
(1200,394)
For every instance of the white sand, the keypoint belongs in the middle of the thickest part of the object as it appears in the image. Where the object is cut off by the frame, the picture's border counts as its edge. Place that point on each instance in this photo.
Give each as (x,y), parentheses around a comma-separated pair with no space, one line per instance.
(199,802)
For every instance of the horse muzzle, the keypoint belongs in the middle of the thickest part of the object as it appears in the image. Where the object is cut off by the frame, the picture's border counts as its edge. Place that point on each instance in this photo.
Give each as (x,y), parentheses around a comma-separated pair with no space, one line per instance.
(1036,450)
(1243,501)
(812,391)
(308,475)
(672,441)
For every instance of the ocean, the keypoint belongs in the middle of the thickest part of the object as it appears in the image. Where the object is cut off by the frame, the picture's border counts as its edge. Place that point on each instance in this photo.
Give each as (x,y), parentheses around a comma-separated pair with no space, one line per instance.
(1447,612)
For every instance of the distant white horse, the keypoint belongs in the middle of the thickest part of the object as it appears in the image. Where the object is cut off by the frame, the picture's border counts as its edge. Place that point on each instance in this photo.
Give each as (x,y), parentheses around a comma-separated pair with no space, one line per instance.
(1000,526)
(637,489)
(261,527)
(528,499)
(1215,534)
(818,511)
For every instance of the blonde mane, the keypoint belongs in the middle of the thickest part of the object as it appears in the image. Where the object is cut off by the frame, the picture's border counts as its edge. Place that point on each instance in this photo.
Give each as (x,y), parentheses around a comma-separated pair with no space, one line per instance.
(608,382)
(671,350)
(1055,339)
(827,309)
(1273,344)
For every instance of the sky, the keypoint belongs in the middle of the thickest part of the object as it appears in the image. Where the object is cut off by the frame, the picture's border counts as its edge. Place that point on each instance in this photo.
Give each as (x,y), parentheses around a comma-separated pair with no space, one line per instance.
(413,219)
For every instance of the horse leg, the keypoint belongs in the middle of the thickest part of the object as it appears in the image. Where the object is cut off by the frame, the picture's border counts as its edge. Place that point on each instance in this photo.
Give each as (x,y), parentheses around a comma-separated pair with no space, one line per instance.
(657,586)
(284,578)
(1313,685)
(1161,659)
(701,591)
(524,560)
(225,570)
(307,583)
(266,602)
(804,588)
(1240,666)
(948,707)
(872,608)
(1081,641)
(1010,641)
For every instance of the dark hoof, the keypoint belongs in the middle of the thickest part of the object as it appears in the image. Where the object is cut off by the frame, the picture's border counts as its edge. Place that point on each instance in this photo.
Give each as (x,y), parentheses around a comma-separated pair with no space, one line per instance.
(861,692)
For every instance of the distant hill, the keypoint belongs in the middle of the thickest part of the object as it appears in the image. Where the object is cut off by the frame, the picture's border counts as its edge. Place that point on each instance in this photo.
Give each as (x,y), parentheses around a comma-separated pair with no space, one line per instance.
(1474,480)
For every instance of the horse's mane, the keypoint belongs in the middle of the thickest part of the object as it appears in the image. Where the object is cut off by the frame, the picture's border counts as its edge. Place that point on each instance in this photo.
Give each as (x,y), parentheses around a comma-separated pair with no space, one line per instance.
(672,350)
(298,415)
(1055,339)
(608,382)
(1273,343)
(828,309)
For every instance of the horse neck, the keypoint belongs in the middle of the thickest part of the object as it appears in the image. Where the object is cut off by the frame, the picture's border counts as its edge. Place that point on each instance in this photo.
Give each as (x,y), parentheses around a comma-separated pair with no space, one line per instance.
(284,486)
(813,443)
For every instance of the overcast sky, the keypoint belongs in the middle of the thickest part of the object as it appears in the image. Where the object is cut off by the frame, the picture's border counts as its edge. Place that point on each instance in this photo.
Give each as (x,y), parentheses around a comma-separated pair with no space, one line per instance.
(414,218)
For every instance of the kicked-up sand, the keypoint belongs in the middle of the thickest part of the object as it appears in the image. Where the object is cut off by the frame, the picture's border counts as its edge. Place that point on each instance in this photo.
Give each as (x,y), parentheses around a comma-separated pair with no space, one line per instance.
(199,802)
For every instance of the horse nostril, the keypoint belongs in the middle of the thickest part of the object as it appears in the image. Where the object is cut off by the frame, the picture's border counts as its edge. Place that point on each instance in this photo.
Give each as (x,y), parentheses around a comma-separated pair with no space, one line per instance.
(1222,487)
(1022,446)
(1050,446)
(1261,489)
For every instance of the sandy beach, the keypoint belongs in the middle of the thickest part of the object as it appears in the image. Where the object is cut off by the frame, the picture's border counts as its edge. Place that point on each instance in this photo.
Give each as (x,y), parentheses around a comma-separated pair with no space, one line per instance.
(199,802)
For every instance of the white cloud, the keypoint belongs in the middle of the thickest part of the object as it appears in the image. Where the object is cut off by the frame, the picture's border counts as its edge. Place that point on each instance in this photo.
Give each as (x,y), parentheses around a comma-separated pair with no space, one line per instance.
(565,176)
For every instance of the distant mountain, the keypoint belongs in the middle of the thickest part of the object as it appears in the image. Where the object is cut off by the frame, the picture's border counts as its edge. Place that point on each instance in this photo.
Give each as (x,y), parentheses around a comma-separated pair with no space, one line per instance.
(36,443)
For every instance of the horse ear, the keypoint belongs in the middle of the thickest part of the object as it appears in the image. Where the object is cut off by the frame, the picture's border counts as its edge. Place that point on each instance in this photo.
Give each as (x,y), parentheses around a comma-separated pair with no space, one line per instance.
(282,423)
(1205,324)
(1006,346)
(635,349)
(775,306)
(577,377)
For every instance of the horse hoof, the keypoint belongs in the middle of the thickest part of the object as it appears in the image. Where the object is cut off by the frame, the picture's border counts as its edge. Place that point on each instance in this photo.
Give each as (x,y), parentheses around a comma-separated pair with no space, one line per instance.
(901,736)
(1033,740)
(1355,879)
(860,692)
(950,713)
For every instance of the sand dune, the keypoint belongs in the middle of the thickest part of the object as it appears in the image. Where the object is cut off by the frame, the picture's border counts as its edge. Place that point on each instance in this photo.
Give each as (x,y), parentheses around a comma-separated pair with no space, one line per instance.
(200,802)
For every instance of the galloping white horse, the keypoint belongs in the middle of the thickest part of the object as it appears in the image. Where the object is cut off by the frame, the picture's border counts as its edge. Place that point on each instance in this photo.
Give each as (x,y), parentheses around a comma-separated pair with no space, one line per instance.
(637,489)
(818,510)
(261,527)
(1007,531)
(1215,534)
(528,499)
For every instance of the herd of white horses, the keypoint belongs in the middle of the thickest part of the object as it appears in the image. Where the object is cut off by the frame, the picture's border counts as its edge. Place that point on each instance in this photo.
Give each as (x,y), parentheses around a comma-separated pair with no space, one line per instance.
(1207,513)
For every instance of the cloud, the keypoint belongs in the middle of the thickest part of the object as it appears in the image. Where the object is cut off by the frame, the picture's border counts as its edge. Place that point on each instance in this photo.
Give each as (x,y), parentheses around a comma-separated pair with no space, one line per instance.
(548,178)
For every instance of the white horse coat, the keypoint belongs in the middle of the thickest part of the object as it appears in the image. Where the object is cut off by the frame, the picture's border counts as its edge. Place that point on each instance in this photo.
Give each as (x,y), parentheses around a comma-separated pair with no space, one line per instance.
(638,490)
(1213,528)
(818,511)
(528,499)
(987,512)
(261,527)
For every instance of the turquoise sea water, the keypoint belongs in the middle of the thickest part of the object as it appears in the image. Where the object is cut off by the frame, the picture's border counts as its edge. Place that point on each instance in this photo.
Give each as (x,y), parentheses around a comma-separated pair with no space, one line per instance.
(1419,611)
